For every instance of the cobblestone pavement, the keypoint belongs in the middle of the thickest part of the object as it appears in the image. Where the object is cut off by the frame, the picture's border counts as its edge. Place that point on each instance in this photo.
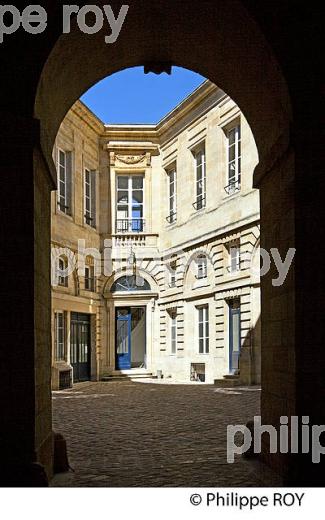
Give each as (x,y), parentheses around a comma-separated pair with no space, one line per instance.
(133,434)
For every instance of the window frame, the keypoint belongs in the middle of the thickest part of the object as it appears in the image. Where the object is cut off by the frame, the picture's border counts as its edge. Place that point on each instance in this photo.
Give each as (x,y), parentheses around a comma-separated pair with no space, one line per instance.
(63,281)
(173,332)
(130,205)
(201,267)
(60,347)
(172,197)
(90,200)
(90,281)
(234,259)
(172,268)
(203,312)
(234,181)
(64,205)
(200,191)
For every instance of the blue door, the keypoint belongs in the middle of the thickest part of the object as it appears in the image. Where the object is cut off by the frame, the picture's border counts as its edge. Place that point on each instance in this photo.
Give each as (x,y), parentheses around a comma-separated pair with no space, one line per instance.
(234,336)
(123,339)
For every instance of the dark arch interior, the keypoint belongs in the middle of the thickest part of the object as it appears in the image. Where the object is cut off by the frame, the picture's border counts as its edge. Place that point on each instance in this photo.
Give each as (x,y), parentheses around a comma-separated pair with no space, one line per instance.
(257,52)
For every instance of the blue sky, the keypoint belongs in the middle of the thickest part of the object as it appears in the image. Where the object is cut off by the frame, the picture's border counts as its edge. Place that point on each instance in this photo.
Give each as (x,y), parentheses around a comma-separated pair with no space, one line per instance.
(130,96)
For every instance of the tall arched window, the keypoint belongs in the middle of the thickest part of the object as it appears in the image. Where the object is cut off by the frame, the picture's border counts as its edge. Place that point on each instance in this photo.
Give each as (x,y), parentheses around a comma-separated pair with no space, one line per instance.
(130,283)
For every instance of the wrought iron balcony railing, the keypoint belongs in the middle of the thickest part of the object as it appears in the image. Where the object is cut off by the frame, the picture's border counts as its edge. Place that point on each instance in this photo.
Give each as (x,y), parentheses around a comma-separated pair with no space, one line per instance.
(172,217)
(89,220)
(65,209)
(232,187)
(199,203)
(130,225)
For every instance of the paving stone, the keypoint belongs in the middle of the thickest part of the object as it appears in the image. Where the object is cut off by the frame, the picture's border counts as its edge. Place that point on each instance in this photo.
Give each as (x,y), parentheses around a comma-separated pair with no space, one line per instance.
(134,434)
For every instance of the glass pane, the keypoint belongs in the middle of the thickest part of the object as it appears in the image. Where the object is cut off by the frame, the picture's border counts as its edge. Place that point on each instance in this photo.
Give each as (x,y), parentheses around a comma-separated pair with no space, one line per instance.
(232,172)
(201,346)
(122,212)
(129,283)
(207,329)
(232,153)
(122,182)
(235,331)
(62,173)
(122,197)
(137,183)
(137,212)
(62,158)
(200,330)
(173,332)
(231,136)
(199,173)
(137,197)
(122,336)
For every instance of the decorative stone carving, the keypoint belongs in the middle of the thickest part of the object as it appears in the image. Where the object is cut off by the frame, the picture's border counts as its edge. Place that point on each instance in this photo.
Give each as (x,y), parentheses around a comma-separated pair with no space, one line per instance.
(130,159)
(112,158)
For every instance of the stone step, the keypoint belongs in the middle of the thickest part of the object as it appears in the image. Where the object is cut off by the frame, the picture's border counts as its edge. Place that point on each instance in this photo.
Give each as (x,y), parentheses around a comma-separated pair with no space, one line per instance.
(127,375)
(228,381)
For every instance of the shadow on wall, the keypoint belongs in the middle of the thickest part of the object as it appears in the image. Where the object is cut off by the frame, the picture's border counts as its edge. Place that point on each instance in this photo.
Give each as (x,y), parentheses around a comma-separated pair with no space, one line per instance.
(250,356)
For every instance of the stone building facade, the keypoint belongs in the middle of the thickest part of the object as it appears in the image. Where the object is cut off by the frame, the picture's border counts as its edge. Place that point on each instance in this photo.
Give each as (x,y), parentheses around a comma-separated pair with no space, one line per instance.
(169,222)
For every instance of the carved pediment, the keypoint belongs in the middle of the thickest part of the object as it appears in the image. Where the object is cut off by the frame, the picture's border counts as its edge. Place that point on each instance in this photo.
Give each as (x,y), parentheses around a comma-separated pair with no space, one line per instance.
(130,160)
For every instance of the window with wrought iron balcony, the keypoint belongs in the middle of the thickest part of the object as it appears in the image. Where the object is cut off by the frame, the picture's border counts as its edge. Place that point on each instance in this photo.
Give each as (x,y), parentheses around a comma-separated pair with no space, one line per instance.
(234,160)
(200,178)
(130,204)
(172,195)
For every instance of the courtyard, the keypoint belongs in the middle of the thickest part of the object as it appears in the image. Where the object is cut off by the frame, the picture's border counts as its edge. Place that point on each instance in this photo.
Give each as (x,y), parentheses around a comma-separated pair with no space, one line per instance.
(128,434)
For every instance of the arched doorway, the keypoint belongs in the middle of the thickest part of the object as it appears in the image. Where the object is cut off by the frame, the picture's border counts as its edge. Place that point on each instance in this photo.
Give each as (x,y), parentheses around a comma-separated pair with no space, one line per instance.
(130,304)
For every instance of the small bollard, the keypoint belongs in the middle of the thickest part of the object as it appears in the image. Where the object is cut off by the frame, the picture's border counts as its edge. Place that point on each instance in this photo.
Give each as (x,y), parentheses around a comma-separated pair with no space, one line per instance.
(61,462)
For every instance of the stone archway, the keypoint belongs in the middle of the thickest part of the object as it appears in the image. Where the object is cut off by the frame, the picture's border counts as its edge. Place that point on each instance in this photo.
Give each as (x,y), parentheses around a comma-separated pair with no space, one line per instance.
(243,65)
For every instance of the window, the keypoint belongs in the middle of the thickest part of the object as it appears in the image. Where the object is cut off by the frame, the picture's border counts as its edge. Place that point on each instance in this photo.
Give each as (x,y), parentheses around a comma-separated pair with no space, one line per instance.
(130,205)
(172,274)
(89,278)
(200,180)
(234,159)
(63,280)
(90,197)
(130,283)
(172,196)
(64,169)
(203,326)
(234,257)
(59,336)
(202,267)
(173,332)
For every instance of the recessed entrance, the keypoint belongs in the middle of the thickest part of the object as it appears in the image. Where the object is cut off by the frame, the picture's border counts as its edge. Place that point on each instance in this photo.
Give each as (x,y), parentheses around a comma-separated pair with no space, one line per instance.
(80,346)
(130,338)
